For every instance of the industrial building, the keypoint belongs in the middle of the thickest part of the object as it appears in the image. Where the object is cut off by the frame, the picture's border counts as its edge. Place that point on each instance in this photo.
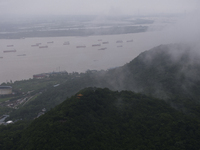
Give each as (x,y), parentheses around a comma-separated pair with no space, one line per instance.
(5,90)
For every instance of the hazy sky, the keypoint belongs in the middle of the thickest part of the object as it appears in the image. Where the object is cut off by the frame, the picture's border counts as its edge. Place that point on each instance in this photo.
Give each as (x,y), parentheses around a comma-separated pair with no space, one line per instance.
(104,7)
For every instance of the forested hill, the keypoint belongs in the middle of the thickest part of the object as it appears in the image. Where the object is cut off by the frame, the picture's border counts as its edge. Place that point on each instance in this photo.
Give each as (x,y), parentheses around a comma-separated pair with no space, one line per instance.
(166,71)
(170,72)
(97,118)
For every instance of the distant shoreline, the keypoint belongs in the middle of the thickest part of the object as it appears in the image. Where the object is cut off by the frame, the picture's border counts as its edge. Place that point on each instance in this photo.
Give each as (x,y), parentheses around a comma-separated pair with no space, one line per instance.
(75,32)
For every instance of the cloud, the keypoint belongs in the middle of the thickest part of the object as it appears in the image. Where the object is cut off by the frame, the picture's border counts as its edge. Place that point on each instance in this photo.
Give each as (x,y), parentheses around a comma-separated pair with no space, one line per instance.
(95,7)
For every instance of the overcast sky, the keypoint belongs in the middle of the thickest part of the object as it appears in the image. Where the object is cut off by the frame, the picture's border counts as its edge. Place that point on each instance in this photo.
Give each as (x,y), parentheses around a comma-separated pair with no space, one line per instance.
(104,7)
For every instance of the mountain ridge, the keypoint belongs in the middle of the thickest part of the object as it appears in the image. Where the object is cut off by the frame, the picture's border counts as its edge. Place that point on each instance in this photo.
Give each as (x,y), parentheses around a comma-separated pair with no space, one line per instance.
(105,119)
(169,72)
(155,71)
(122,118)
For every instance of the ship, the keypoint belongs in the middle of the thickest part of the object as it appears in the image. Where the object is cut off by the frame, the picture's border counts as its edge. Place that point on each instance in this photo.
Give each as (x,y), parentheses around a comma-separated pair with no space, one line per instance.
(10,45)
(50,42)
(1,57)
(22,55)
(96,45)
(37,44)
(8,51)
(43,46)
(129,41)
(34,45)
(105,42)
(80,46)
(120,41)
(102,48)
(66,43)
(119,46)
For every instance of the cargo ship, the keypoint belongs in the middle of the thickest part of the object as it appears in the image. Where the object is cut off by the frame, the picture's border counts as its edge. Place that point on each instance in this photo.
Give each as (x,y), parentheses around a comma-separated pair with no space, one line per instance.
(66,43)
(119,41)
(96,45)
(129,41)
(43,46)
(80,46)
(34,45)
(8,51)
(37,44)
(119,46)
(22,55)
(102,48)
(105,42)
(10,45)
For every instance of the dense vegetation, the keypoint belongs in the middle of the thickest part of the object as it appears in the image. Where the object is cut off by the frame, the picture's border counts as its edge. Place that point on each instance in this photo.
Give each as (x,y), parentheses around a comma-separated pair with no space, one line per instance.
(170,72)
(11,134)
(103,119)
(52,96)
(165,71)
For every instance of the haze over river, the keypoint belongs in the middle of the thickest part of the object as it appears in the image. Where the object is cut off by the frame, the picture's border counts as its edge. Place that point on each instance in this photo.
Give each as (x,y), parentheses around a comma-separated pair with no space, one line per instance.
(29,60)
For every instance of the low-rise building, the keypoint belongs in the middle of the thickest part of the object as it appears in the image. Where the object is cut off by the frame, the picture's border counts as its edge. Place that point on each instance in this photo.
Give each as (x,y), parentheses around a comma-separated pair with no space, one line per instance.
(5,90)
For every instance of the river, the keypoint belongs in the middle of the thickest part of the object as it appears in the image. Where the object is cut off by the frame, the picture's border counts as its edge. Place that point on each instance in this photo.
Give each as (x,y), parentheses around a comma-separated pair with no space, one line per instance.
(20,59)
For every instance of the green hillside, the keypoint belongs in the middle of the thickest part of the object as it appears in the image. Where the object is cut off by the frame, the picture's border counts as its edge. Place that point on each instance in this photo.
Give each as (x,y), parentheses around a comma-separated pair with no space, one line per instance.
(104,119)
(165,114)
(170,72)
(165,71)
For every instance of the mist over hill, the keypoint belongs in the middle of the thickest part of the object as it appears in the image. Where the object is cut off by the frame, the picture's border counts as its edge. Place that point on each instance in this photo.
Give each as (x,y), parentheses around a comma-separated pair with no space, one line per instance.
(170,72)
(164,72)
(149,103)
(96,118)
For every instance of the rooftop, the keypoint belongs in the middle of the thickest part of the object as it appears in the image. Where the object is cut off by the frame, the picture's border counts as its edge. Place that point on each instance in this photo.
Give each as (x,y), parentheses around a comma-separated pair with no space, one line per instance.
(5,87)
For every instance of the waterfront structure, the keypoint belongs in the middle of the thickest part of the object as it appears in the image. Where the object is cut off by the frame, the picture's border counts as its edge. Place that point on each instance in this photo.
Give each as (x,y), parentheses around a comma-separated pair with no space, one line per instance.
(39,76)
(5,90)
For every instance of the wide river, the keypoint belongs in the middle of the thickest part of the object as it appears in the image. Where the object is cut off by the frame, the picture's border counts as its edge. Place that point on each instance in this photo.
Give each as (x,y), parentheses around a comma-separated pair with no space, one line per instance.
(20,59)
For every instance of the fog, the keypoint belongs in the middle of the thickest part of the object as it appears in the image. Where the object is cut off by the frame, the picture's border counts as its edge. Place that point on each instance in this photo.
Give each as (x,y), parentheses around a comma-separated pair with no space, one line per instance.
(97,7)
(185,30)
(174,21)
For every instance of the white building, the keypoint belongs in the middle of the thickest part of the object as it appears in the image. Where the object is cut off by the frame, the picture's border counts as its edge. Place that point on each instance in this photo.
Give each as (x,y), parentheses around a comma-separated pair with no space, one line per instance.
(4,90)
